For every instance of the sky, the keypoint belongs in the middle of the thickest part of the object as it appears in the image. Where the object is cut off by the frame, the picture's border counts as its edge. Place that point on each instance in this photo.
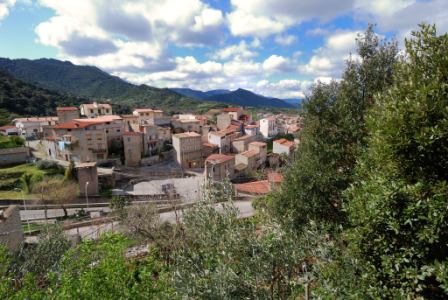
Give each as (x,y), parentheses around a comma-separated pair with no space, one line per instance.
(276,48)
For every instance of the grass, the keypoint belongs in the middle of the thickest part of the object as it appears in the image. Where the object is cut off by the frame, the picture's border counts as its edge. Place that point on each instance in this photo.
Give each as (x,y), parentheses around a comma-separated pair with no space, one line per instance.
(11,142)
(10,180)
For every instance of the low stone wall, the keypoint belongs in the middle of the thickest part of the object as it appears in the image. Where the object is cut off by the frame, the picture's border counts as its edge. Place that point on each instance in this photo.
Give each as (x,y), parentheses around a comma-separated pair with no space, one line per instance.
(12,156)
(11,232)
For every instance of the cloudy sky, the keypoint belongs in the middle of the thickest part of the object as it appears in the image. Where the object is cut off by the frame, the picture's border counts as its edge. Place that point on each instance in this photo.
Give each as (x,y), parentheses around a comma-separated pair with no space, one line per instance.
(273,47)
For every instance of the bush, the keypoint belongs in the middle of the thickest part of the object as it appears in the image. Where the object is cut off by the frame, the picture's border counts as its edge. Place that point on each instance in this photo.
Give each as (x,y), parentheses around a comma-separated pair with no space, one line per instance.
(47,165)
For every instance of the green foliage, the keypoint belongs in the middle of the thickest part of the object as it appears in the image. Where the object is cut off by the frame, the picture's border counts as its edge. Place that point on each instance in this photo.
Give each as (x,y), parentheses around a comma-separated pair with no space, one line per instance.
(119,203)
(333,135)
(70,171)
(397,206)
(11,142)
(26,180)
(25,99)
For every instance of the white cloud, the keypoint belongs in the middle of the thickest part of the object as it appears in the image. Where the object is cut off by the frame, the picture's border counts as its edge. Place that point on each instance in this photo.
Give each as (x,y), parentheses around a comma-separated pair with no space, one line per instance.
(276,63)
(5,6)
(266,17)
(285,40)
(240,50)
(329,60)
(382,7)
(287,88)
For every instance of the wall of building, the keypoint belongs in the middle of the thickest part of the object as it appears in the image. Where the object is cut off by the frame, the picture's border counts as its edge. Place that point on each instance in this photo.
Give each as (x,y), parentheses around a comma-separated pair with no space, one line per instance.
(132,149)
(88,174)
(11,232)
(11,156)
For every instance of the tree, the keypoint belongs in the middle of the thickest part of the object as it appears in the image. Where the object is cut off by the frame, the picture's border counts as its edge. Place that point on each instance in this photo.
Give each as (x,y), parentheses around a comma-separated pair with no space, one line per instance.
(333,136)
(397,205)
(62,192)
(70,172)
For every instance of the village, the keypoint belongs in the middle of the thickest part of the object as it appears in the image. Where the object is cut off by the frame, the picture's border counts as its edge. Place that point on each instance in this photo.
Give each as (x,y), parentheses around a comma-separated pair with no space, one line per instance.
(234,147)
(148,156)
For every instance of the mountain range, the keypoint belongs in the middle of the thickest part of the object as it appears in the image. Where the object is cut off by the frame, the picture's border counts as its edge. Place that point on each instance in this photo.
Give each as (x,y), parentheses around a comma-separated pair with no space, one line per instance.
(92,83)
(238,97)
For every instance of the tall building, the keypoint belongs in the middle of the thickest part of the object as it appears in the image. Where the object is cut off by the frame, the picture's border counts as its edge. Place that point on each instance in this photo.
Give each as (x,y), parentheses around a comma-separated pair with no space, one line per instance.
(93,110)
(132,142)
(188,148)
(268,128)
(67,113)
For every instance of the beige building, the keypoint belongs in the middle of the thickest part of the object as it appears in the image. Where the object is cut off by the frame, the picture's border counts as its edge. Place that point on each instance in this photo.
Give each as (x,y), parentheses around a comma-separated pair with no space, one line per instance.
(187,125)
(223,121)
(284,147)
(223,139)
(188,148)
(93,110)
(87,178)
(67,113)
(234,112)
(246,161)
(132,142)
(33,127)
(131,122)
(241,143)
(146,114)
(262,149)
(219,166)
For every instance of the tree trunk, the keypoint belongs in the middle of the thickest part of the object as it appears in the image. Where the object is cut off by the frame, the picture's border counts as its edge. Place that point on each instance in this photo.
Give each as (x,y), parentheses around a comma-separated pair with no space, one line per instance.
(65,211)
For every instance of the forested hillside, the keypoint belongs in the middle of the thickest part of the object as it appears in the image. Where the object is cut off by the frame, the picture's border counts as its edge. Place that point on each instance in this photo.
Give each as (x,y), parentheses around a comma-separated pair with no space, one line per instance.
(91,82)
(20,98)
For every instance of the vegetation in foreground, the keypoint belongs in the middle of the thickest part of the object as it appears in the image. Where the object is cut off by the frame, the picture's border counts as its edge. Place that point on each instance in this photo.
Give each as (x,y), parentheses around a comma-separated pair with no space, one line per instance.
(361,214)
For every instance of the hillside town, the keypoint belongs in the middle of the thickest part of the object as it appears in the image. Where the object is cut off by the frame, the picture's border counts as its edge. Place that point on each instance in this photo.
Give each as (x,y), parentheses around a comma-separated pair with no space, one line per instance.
(234,146)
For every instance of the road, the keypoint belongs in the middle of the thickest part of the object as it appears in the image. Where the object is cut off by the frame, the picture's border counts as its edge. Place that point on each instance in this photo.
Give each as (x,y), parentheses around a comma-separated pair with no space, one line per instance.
(245,210)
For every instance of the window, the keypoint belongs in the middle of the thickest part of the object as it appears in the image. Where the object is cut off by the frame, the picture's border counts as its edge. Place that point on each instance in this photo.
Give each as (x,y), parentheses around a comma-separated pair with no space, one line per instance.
(129,139)
(118,130)
(91,111)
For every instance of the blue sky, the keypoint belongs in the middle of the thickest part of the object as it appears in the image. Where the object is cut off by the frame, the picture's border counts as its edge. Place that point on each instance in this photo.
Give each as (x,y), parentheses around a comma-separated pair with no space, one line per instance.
(273,47)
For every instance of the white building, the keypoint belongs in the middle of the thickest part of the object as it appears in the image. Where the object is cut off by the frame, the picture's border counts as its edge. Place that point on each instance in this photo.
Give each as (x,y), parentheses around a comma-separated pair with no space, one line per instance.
(93,110)
(268,128)
(33,127)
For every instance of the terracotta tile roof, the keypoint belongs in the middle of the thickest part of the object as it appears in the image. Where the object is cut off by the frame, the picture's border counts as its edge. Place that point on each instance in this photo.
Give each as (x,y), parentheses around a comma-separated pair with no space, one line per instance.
(36,119)
(66,108)
(249,153)
(103,119)
(74,124)
(275,177)
(219,158)
(243,137)
(256,187)
(7,127)
(50,138)
(285,142)
(209,145)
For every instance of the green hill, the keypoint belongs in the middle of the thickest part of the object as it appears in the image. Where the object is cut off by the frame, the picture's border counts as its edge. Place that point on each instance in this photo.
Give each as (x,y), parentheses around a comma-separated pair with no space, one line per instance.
(18,98)
(91,82)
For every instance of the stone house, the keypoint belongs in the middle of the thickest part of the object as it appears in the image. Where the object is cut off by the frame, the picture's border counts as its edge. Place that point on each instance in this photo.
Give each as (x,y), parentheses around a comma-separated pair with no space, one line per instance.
(33,127)
(94,110)
(241,144)
(219,166)
(284,147)
(262,149)
(67,113)
(188,149)
(87,178)
(246,161)
(132,142)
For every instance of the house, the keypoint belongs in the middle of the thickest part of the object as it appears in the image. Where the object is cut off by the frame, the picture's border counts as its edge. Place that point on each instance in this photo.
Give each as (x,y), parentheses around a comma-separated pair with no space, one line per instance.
(219,166)
(261,187)
(252,130)
(233,112)
(87,174)
(67,113)
(9,130)
(132,142)
(246,161)
(188,149)
(208,149)
(93,110)
(262,149)
(240,144)
(187,125)
(146,115)
(268,127)
(223,139)
(33,127)
(283,146)
(223,121)
(131,122)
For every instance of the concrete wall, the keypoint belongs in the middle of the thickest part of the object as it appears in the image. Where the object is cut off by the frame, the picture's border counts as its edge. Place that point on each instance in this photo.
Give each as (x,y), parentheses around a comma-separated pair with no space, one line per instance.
(89,174)
(11,233)
(11,156)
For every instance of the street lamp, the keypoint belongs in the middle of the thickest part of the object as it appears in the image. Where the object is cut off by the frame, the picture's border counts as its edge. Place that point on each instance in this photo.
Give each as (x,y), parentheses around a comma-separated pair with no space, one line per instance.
(24,205)
(87,194)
